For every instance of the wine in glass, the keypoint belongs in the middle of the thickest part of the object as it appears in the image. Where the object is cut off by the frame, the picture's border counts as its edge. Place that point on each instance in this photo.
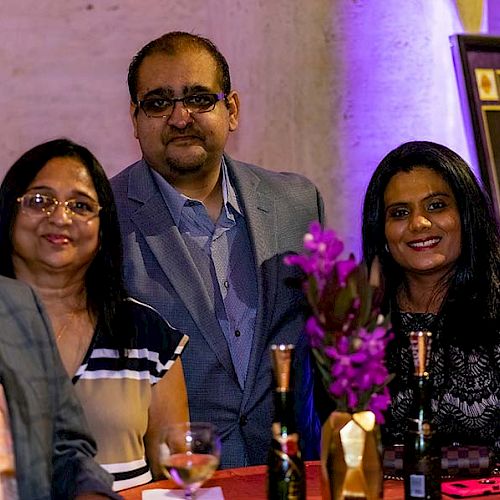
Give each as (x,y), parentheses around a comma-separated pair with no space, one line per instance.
(190,454)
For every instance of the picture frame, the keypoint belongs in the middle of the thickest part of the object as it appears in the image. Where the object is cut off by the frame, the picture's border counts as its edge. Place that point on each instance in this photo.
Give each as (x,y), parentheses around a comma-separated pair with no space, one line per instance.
(477,67)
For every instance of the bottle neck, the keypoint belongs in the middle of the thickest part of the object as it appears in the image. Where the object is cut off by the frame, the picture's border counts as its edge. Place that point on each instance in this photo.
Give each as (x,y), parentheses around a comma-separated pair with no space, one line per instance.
(421,414)
(284,411)
(422,388)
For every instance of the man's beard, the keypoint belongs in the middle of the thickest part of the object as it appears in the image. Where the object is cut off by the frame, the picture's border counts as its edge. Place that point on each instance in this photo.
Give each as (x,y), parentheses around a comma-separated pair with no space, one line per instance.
(180,166)
(187,160)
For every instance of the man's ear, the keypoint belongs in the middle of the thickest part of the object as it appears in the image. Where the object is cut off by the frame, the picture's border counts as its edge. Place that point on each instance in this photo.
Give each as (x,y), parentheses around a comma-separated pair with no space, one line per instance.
(134,111)
(233,105)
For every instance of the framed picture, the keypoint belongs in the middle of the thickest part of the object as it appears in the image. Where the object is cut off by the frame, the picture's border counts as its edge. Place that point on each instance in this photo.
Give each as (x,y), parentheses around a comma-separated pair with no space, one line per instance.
(486,84)
(491,119)
(477,67)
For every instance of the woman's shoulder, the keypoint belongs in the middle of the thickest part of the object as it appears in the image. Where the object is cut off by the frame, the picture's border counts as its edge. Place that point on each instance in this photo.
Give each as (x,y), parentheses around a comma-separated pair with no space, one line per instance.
(144,313)
(151,327)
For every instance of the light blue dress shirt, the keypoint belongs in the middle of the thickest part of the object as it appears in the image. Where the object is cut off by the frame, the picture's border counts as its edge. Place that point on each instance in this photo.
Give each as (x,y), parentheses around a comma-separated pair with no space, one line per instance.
(224,249)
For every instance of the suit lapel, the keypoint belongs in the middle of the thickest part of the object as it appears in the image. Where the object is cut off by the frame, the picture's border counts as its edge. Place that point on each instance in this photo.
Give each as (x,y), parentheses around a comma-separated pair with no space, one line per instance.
(261,219)
(154,222)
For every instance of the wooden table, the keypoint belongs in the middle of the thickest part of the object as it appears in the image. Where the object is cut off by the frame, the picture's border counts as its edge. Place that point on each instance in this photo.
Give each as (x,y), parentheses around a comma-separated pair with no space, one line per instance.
(249,483)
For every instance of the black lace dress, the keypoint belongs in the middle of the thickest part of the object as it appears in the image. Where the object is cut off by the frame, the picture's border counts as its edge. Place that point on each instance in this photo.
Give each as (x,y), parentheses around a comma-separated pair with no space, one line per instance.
(465,387)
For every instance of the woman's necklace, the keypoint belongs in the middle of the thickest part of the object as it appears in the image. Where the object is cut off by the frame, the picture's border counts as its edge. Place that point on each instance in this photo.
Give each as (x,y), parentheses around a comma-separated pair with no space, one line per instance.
(72,347)
(63,329)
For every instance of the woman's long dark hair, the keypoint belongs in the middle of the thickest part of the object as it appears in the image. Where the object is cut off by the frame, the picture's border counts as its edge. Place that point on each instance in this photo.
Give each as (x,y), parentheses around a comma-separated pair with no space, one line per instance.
(104,281)
(471,306)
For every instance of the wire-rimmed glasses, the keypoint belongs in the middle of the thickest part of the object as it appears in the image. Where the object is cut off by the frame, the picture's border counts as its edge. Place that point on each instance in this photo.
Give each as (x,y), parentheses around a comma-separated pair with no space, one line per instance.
(162,107)
(37,204)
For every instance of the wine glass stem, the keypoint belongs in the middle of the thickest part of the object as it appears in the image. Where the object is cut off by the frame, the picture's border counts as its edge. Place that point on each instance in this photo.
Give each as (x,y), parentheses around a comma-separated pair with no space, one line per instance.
(189,495)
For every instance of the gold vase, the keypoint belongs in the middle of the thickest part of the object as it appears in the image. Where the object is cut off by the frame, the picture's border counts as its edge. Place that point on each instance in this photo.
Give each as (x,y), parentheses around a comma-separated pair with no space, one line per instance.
(351,465)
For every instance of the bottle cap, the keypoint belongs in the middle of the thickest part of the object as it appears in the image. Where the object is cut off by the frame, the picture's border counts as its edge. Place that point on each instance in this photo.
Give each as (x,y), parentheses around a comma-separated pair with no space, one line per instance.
(281,357)
(421,349)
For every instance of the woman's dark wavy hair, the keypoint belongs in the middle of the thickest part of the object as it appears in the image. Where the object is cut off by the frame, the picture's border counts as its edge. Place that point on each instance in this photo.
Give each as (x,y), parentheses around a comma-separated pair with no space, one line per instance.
(474,284)
(104,282)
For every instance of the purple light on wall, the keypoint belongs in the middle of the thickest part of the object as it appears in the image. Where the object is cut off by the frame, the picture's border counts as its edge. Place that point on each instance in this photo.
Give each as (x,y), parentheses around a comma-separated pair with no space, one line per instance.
(396,73)
(494,17)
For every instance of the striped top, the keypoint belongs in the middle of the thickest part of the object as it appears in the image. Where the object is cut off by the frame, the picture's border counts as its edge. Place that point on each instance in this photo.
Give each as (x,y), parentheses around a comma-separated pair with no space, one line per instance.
(116,393)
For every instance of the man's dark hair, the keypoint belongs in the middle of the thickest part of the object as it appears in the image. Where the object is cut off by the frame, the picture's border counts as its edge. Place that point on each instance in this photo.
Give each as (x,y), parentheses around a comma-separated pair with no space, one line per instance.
(474,283)
(171,44)
(104,282)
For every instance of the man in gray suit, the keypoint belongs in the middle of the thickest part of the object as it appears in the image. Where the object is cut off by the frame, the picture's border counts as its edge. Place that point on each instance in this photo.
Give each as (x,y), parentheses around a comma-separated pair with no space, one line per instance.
(204,240)
(53,450)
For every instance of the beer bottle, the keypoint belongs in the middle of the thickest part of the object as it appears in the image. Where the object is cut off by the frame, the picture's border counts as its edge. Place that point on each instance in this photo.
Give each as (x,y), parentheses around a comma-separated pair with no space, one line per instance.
(286,479)
(422,454)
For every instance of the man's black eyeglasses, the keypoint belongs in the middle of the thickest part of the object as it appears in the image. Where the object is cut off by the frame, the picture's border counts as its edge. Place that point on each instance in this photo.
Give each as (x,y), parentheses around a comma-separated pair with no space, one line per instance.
(162,107)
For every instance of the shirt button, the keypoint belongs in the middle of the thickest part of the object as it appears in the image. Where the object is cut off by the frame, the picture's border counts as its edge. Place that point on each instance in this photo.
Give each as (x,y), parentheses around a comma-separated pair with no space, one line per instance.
(237,333)
(226,284)
(243,420)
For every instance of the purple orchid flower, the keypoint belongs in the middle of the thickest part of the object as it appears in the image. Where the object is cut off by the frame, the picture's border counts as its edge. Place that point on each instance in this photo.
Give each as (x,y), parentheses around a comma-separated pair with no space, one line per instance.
(352,351)
(314,332)
(344,268)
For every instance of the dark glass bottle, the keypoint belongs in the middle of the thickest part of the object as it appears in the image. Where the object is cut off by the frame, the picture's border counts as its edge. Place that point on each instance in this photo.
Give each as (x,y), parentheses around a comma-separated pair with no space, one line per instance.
(286,477)
(422,454)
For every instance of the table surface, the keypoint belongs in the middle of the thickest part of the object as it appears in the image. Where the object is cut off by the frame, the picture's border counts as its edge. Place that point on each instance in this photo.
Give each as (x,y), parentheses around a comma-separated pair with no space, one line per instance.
(249,483)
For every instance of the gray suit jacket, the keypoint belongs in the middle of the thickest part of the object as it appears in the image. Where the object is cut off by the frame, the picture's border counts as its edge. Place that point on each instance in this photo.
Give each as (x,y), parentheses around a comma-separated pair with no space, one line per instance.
(158,269)
(53,450)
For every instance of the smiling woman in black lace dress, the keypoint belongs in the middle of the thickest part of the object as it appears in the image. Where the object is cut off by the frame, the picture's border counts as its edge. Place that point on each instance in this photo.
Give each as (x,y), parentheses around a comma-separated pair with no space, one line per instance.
(430,224)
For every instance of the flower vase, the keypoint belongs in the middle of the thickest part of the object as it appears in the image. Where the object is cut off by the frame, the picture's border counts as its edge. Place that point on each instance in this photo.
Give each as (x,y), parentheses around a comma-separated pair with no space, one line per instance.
(351,465)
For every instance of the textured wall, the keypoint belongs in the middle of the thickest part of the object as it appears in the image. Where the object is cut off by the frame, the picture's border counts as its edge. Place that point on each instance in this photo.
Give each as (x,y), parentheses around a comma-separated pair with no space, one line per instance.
(494,17)
(395,83)
(327,86)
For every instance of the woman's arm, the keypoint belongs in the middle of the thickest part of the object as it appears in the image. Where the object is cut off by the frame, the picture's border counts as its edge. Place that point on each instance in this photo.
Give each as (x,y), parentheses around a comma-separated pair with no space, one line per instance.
(169,404)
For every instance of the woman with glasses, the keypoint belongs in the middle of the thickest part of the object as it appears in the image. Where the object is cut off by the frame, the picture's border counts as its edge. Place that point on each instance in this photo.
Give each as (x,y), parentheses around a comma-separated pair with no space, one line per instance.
(59,233)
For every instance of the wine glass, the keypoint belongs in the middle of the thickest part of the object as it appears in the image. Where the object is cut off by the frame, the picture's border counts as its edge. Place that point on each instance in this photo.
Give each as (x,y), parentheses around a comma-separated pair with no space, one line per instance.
(190,454)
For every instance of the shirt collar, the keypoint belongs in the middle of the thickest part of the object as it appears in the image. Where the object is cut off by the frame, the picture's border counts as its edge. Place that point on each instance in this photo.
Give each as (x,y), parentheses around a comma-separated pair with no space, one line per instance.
(228,191)
(175,201)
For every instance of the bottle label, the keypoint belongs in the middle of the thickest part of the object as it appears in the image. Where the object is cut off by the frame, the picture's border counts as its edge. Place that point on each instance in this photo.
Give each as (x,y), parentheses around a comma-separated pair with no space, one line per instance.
(286,469)
(417,486)
(294,491)
(289,447)
(288,443)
